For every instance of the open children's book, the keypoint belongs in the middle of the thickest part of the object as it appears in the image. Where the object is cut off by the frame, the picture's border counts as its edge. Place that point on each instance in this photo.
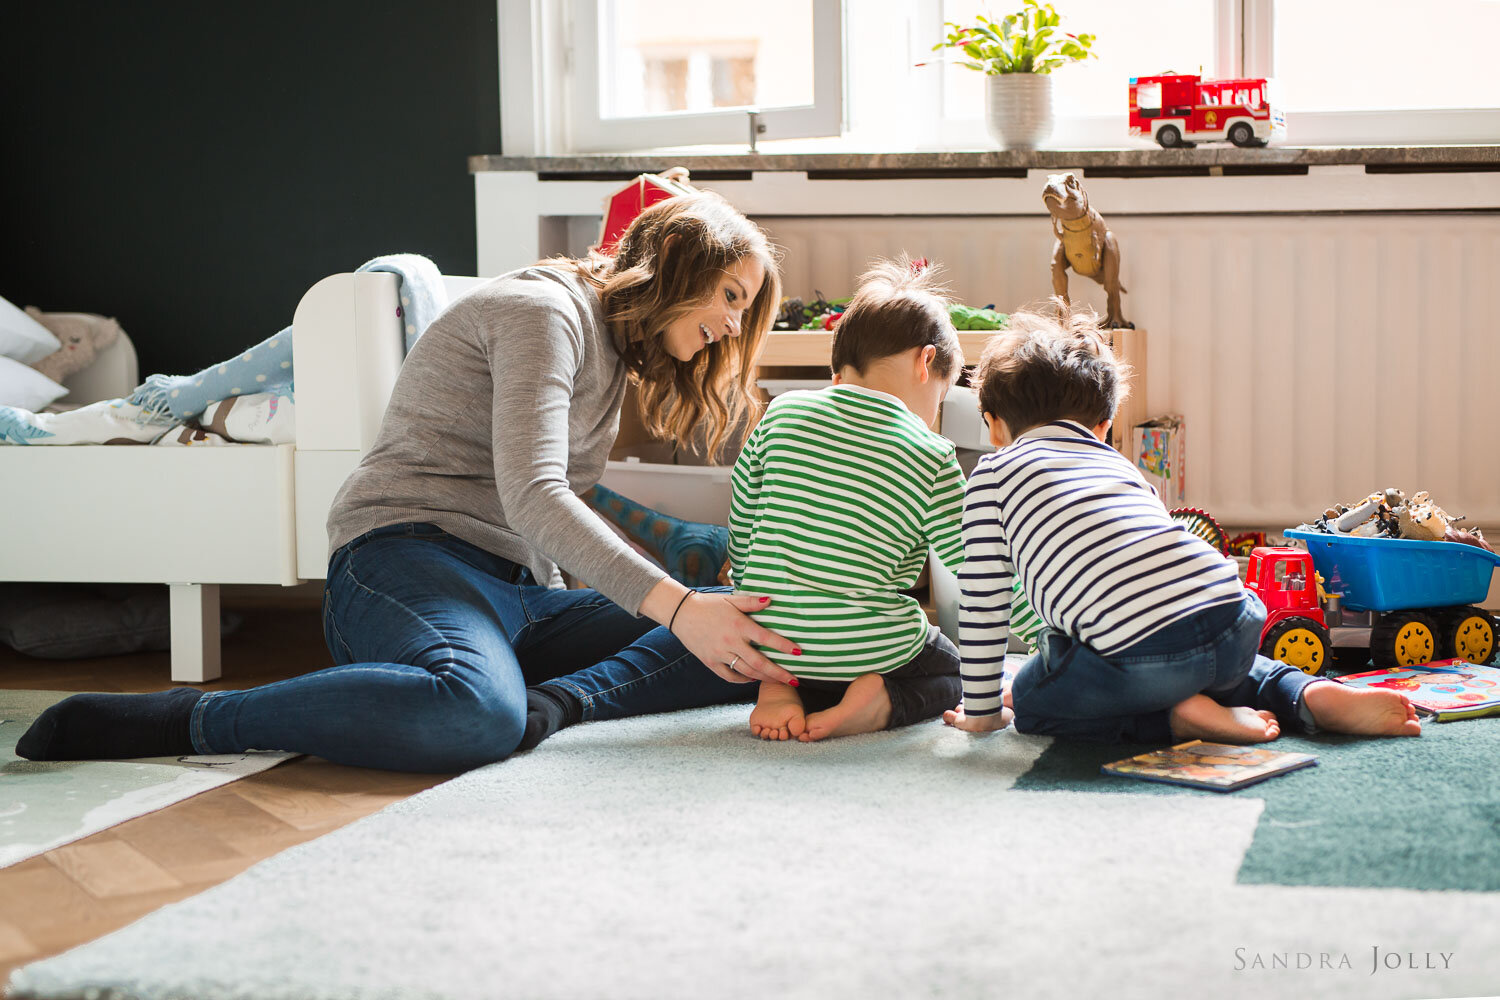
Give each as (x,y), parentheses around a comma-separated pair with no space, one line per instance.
(1445,689)
(1218,767)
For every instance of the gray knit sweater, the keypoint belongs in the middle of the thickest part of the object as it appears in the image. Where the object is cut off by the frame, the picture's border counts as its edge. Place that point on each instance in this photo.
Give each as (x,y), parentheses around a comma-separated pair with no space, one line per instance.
(503,413)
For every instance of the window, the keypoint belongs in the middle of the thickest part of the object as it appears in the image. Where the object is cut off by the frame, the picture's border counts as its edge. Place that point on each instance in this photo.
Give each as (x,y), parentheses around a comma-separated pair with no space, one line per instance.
(1387,55)
(1396,71)
(663,76)
(600,75)
(893,102)
(1172,36)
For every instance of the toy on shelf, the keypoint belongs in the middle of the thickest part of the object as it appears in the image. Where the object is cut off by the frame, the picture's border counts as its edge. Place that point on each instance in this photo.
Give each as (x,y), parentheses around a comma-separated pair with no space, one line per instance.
(1083,243)
(819,314)
(1200,523)
(1176,108)
(1415,600)
(976,317)
(622,207)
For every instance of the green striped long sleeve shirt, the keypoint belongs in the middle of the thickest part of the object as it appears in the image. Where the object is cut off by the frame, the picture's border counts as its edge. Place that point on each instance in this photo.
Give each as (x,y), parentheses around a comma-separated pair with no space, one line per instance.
(836,497)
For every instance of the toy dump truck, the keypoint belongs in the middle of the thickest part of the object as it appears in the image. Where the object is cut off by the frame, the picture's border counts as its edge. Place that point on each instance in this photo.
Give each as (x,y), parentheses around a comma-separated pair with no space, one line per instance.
(1406,601)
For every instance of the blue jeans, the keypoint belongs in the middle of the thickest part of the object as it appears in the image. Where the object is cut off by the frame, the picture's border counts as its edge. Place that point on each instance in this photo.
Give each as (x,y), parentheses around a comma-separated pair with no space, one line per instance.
(922,688)
(436,641)
(1067,689)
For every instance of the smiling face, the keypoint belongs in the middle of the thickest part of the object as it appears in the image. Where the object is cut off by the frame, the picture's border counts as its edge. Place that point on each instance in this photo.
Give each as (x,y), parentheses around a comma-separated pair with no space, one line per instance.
(723,315)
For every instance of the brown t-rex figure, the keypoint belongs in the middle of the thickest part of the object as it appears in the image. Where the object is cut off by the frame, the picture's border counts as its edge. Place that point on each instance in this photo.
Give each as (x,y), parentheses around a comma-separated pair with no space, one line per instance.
(1083,243)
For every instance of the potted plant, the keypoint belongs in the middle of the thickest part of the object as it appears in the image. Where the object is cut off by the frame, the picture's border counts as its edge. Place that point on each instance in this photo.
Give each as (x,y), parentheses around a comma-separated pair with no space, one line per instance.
(1017,56)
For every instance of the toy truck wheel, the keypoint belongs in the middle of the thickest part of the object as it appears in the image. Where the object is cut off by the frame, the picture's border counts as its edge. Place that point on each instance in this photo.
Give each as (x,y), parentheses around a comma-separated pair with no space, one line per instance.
(1169,136)
(1469,634)
(1241,134)
(1301,642)
(1404,639)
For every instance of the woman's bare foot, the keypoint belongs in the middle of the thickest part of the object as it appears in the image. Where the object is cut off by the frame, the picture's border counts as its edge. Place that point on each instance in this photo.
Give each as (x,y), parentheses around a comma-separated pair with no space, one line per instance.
(1339,708)
(865,708)
(1202,718)
(778,713)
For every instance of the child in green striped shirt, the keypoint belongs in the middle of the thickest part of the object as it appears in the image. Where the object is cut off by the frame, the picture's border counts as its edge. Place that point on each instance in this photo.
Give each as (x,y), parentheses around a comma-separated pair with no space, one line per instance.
(837,496)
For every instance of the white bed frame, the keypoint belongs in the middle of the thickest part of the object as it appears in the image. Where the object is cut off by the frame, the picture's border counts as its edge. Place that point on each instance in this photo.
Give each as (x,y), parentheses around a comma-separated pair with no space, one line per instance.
(197,518)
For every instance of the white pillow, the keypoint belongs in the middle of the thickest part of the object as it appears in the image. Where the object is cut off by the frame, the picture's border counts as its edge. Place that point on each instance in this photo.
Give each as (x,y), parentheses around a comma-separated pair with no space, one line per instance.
(22,337)
(24,386)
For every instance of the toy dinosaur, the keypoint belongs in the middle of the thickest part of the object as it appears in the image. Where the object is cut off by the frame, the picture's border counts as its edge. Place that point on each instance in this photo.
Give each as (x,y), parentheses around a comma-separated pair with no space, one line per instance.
(1083,243)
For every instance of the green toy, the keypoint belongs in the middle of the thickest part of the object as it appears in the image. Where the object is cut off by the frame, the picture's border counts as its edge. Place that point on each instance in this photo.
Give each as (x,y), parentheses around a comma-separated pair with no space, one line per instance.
(976,318)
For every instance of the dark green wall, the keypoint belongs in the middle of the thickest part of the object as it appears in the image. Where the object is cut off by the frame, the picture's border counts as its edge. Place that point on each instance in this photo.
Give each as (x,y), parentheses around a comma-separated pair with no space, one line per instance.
(192,167)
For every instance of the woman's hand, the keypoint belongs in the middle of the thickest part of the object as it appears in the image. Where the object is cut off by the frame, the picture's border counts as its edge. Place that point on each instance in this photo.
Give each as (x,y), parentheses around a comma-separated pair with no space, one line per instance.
(978,723)
(716,629)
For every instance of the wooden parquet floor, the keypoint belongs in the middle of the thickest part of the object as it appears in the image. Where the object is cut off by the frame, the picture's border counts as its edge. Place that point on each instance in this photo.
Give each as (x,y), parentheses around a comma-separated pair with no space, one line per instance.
(93,886)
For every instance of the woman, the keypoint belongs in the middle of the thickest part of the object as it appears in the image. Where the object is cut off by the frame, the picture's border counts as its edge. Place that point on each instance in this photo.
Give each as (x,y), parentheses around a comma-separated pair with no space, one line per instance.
(447,538)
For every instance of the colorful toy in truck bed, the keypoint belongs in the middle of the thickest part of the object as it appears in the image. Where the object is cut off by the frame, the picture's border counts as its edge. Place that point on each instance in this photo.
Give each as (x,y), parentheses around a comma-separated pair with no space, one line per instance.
(1410,600)
(1175,108)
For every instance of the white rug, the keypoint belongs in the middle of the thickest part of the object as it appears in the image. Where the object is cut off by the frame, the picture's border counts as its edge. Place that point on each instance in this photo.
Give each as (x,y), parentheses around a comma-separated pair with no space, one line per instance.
(675,856)
(47,804)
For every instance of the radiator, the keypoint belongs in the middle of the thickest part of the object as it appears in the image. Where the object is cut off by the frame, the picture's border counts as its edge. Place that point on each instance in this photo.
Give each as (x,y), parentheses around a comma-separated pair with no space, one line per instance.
(1316,358)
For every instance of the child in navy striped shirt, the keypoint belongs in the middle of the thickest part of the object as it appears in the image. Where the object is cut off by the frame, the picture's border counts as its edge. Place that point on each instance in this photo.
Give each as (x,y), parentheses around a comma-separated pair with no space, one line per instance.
(1150,637)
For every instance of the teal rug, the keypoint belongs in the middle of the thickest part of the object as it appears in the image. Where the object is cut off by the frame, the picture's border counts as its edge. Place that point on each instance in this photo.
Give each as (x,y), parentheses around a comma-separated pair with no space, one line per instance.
(1395,813)
(44,805)
(676,856)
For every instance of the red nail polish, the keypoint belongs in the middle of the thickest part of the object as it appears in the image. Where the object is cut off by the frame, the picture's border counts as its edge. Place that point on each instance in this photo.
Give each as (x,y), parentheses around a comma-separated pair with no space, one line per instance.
(763,600)
(796,652)
(794,682)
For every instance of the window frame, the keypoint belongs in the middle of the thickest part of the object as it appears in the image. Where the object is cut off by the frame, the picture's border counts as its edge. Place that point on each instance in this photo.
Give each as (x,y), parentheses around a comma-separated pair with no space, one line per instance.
(589,131)
(540,94)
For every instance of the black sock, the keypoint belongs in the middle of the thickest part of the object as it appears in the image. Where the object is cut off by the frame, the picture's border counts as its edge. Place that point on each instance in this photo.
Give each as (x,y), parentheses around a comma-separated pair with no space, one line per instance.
(548,709)
(113,727)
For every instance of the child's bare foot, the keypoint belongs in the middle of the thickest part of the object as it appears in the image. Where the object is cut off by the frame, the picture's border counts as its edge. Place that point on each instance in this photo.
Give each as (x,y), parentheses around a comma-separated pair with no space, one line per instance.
(1202,718)
(778,713)
(1005,694)
(865,708)
(1339,708)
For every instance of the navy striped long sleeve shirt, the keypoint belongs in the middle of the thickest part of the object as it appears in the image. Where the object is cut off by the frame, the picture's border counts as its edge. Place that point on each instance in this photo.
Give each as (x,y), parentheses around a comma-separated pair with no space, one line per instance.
(1097,554)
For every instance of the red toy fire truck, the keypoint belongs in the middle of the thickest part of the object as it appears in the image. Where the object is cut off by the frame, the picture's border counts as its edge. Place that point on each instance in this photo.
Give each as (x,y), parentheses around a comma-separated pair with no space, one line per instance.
(1176,108)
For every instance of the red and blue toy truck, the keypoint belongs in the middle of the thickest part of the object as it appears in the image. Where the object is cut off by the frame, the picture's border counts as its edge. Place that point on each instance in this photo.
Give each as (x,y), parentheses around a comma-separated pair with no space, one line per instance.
(1407,601)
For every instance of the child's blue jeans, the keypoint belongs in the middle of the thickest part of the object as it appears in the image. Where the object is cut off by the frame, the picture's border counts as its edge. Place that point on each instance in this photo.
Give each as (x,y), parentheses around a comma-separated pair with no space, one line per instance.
(1067,689)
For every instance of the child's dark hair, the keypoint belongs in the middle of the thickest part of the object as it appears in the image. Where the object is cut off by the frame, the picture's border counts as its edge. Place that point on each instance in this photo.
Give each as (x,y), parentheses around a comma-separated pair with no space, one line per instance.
(896,307)
(1044,367)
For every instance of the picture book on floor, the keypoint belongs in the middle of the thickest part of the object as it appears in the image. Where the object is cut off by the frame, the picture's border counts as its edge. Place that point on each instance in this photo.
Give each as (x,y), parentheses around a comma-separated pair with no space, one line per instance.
(1218,767)
(1444,690)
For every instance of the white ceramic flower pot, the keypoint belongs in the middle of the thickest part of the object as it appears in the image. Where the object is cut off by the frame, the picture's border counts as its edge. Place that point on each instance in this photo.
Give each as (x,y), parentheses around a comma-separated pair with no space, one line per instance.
(1018,109)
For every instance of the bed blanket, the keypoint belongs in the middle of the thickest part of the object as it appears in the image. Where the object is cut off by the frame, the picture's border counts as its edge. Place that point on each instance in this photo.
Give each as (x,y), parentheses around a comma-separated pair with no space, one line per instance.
(109,421)
(268,365)
(257,418)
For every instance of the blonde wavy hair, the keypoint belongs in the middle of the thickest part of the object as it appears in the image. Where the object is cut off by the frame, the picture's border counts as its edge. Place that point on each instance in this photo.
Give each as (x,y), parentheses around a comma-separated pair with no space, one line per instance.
(667,264)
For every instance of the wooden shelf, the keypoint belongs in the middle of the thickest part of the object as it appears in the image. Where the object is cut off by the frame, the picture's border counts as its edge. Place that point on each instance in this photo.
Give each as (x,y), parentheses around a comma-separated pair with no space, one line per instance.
(814,347)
